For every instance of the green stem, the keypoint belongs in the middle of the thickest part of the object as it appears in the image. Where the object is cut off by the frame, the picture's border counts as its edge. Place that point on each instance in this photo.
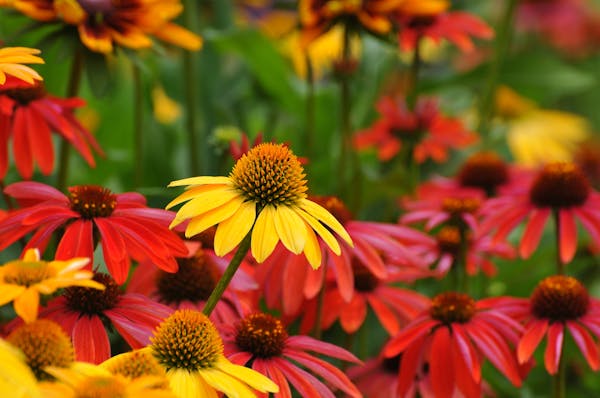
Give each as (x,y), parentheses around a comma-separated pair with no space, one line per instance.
(72,91)
(310,106)
(559,380)
(191,83)
(503,38)
(234,264)
(415,66)
(317,330)
(560,266)
(138,119)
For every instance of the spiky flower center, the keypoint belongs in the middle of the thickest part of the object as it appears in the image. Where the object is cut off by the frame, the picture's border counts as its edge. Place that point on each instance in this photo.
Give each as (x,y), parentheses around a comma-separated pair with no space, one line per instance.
(92,201)
(44,343)
(187,340)
(270,174)
(100,387)
(335,206)
(485,170)
(452,307)
(134,364)
(559,185)
(559,298)
(94,301)
(449,240)
(27,273)
(25,94)
(262,335)
(459,206)
(194,281)
(364,280)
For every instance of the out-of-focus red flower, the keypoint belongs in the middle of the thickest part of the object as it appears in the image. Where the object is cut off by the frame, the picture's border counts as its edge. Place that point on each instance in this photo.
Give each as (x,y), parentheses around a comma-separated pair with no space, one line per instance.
(426,131)
(28,116)
(90,215)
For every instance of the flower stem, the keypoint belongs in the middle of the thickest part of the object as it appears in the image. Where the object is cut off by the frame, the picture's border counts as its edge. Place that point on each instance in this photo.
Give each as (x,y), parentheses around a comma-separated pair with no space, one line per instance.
(310,107)
(503,38)
(234,264)
(559,380)
(138,118)
(65,147)
(191,82)
(413,84)
(317,329)
(560,267)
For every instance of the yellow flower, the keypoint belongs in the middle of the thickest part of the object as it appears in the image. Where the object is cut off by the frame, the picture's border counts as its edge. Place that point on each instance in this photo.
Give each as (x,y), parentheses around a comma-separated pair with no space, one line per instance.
(265,193)
(22,281)
(86,380)
(16,379)
(11,59)
(423,7)
(189,347)
(536,136)
(166,110)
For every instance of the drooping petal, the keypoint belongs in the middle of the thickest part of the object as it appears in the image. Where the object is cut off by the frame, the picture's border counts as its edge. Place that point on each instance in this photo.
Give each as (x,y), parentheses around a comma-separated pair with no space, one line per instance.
(215,216)
(290,228)
(534,333)
(90,340)
(554,347)
(533,232)
(264,235)
(322,215)
(27,304)
(231,231)
(440,363)
(567,235)
(586,344)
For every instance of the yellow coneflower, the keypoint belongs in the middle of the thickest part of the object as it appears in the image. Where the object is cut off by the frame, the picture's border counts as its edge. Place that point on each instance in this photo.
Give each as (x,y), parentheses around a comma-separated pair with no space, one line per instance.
(11,60)
(16,379)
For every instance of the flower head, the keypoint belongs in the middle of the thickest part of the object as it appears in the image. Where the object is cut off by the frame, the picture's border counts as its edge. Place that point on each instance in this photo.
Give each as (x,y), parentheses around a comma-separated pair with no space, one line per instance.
(188,346)
(22,281)
(266,194)
(11,60)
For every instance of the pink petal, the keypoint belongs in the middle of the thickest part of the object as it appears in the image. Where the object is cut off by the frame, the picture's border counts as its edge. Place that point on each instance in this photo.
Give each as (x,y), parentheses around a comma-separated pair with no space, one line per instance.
(306,384)
(586,344)
(307,343)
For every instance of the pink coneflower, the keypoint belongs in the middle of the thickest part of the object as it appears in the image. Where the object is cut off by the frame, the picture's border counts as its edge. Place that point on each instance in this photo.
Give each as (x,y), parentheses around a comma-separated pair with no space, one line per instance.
(86,313)
(262,341)
(452,337)
(558,189)
(91,214)
(28,116)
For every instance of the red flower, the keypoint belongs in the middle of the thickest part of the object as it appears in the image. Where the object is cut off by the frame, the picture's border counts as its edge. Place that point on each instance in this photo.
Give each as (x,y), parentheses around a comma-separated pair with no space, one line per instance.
(451,337)
(85,314)
(122,223)
(430,132)
(560,303)
(560,189)
(28,115)
(261,340)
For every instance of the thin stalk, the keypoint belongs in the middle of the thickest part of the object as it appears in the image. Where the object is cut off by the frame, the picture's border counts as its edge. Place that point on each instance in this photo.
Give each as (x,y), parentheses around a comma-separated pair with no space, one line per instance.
(413,85)
(65,147)
(317,330)
(234,264)
(345,108)
(138,120)
(191,96)
(503,38)
(310,106)
(560,266)
(559,380)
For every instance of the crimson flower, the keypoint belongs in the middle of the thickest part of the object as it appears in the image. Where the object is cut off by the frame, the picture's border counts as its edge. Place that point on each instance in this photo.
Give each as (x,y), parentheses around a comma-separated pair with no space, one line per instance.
(262,341)
(28,116)
(558,304)
(426,131)
(121,223)
(558,189)
(85,314)
(451,338)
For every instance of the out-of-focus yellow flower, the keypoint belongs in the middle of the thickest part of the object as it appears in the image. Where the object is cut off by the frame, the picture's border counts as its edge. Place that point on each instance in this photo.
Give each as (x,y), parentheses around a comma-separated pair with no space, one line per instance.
(11,60)
(423,7)
(536,136)
(166,110)
(16,379)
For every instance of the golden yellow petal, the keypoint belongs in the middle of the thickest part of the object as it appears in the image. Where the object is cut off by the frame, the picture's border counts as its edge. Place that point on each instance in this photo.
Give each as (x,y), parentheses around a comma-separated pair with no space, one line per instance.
(290,229)
(179,36)
(185,384)
(231,231)
(196,190)
(264,235)
(327,237)
(215,216)
(201,181)
(321,214)
(27,304)
(312,250)
(32,255)
(16,378)
(253,378)
(8,292)
(206,202)
(231,386)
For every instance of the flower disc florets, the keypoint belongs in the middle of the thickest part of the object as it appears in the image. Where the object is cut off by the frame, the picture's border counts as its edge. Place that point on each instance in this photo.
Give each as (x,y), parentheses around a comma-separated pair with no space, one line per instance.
(92,201)
(270,174)
(449,240)
(559,298)
(485,170)
(134,364)
(560,185)
(187,340)
(27,273)
(26,93)
(94,301)
(261,334)
(452,307)
(458,206)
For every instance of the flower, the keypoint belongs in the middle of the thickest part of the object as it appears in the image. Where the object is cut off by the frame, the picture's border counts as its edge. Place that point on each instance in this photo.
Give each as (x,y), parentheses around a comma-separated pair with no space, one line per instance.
(189,348)
(134,364)
(452,337)
(91,214)
(86,313)
(22,281)
(28,115)
(557,304)
(560,189)
(484,170)
(44,344)
(166,110)
(103,23)
(261,340)
(11,59)
(87,380)
(427,132)
(16,379)
(265,194)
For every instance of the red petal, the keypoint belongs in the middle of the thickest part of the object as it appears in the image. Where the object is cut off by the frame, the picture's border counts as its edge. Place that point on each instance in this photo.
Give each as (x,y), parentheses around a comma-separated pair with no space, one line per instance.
(532,336)
(293,293)
(533,232)
(307,385)
(273,373)
(567,235)
(353,314)
(90,340)
(554,347)
(41,141)
(466,351)
(440,364)
(77,241)
(21,145)
(114,250)
(409,365)
(309,344)
(410,333)
(387,317)
(586,344)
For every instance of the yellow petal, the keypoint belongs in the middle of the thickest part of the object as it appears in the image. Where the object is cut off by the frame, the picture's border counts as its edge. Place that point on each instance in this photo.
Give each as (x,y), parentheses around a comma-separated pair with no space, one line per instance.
(32,255)
(26,305)
(206,202)
(264,235)
(321,214)
(195,190)
(230,232)
(312,250)
(187,385)
(22,72)
(327,237)
(16,378)
(231,386)
(200,181)
(290,229)
(9,292)
(215,216)
(253,378)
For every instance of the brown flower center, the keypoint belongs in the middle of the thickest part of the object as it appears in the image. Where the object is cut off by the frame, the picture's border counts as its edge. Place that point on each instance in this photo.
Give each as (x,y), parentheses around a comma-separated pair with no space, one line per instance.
(449,240)
(270,174)
(24,95)
(262,335)
(485,170)
(187,340)
(459,206)
(94,301)
(194,281)
(44,343)
(364,280)
(559,298)
(559,185)
(452,307)
(335,206)
(92,201)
